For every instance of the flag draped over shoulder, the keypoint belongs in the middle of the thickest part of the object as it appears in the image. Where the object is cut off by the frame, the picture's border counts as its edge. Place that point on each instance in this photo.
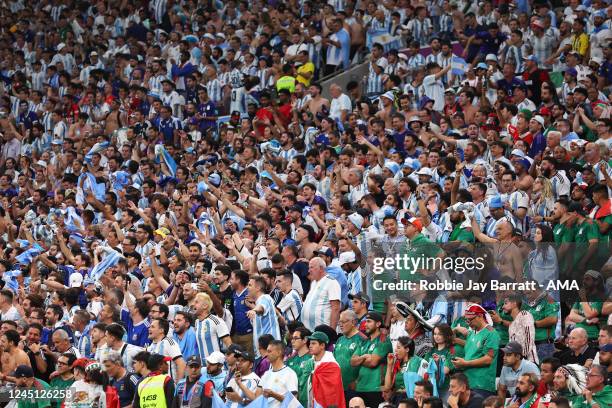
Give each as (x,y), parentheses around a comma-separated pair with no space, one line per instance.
(110,259)
(162,156)
(327,389)
(97,148)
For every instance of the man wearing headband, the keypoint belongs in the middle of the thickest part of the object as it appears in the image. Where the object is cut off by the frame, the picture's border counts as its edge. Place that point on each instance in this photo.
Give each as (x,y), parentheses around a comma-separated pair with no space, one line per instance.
(481,348)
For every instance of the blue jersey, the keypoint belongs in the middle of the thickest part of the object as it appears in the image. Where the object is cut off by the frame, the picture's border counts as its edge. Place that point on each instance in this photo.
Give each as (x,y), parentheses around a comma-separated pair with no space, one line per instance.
(137,334)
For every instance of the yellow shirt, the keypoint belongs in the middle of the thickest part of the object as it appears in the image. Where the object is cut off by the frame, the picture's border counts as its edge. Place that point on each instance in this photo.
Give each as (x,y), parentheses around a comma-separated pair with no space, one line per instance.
(307,67)
(580,44)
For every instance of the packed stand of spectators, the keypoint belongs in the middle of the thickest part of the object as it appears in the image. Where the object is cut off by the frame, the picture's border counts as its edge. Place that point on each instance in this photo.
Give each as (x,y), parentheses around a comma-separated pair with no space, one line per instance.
(186,219)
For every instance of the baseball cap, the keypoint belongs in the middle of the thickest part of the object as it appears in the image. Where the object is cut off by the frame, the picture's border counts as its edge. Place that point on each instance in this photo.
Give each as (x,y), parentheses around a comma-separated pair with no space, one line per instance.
(23,371)
(194,361)
(513,347)
(537,23)
(491,57)
(389,95)
(572,72)
(247,355)
(531,58)
(424,171)
(216,357)
(356,219)
(60,46)
(539,119)
(517,152)
(606,348)
(482,65)
(373,315)
(360,296)
(76,280)
(347,257)
(416,222)
(496,202)
(324,251)
(319,336)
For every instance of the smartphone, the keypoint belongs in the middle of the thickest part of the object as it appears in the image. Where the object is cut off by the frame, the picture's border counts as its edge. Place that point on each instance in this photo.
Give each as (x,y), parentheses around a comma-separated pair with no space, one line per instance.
(229,389)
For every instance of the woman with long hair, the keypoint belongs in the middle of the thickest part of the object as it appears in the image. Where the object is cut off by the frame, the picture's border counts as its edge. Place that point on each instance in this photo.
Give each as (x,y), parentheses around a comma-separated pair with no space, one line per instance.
(402,361)
(543,200)
(442,353)
(541,264)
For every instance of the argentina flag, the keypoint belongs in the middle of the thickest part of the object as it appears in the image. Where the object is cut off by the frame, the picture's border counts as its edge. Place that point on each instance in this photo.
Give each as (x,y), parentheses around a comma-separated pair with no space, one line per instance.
(162,156)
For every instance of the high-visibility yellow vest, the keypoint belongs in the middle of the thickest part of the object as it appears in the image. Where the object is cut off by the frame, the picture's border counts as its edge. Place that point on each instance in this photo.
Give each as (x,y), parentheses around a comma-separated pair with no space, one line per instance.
(286,82)
(151,392)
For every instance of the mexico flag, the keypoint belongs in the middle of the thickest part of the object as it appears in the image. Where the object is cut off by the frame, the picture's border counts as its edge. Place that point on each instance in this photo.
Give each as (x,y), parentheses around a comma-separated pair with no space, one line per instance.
(326,380)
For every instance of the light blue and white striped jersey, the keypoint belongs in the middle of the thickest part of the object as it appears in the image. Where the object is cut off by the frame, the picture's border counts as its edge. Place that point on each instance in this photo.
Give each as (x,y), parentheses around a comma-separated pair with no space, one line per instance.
(167,347)
(56,11)
(317,305)
(158,7)
(491,228)
(251,381)
(266,322)
(514,54)
(84,343)
(287,155)
(338,5)
(354,283)
(290,306)
(238,100)
(375,82)
(235,78)
(420,30)
(155,82)
(209,333)
(560,185)
(215,90)
(416,61)
(446,23)
(60,130)
(599,172)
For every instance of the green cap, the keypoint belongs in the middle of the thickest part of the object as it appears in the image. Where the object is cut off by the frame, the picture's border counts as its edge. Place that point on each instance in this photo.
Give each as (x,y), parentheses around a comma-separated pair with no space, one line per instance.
(319,336)
(527,113)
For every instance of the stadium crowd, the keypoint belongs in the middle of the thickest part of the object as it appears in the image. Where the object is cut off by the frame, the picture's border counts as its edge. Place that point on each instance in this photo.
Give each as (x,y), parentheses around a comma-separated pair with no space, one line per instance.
(190,218)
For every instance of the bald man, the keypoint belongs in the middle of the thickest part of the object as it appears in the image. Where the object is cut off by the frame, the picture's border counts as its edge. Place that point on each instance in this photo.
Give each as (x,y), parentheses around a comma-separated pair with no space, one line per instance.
(357,402)
(579,351)
(322,304)
(507,255)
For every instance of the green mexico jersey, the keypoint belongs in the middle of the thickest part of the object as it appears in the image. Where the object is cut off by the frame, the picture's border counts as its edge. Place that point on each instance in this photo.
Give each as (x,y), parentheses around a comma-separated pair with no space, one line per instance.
(477,345)
(371,379)
(303,367)
(591,329)
(343,351)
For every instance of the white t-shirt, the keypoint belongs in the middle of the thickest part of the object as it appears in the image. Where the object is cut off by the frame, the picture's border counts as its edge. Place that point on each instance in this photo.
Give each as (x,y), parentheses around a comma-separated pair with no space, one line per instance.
(280,382)
(343,102)
(434,89)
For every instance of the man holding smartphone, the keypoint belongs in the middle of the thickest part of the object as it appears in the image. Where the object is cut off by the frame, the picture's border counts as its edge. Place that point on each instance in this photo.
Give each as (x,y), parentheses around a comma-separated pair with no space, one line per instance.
(245,386)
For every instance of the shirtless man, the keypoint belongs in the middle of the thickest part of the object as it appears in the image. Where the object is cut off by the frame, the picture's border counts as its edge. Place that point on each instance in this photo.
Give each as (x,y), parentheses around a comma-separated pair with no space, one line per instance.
(115,118)
(12,356)
(387,111)
(317,101)
(507,255)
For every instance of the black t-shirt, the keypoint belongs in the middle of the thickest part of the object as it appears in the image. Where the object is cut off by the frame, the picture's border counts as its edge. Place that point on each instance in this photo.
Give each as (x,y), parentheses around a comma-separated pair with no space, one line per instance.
(475,401)
(50,365)
(567,356)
